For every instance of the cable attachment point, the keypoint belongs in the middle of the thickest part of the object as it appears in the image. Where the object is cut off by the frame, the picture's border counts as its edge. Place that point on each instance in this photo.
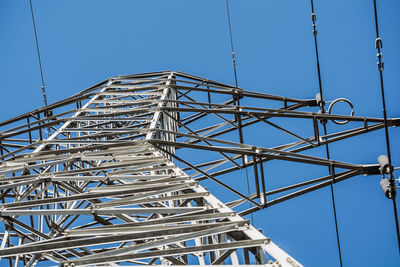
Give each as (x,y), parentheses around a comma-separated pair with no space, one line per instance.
(345,100)
(314,19)
(48,113)
(378,43)
(388,186)
(234,59)
(319,100)
(383,161)
(380,66)
(44,94)
(321,104)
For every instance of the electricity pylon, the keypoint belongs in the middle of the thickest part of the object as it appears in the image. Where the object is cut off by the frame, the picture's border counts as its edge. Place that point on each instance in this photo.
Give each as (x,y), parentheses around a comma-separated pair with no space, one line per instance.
(102,179)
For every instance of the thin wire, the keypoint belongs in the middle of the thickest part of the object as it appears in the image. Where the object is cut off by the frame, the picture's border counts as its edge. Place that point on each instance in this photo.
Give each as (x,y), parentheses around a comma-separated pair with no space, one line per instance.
(232,49)
(313,17)
(236,85)
(378,44)
(38,53)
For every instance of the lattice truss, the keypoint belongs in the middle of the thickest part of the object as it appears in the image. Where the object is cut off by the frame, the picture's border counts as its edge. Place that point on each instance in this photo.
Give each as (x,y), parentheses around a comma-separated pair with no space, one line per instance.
(102,178)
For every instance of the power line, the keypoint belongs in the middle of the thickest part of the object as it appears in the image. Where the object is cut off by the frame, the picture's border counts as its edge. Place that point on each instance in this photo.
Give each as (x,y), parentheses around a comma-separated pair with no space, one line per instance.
(322,108)
(230,35)
(38,54)
(378,46)
(236,99)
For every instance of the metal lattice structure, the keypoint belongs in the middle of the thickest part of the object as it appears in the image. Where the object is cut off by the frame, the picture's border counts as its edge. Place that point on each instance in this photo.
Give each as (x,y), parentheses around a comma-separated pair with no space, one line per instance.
(102,178)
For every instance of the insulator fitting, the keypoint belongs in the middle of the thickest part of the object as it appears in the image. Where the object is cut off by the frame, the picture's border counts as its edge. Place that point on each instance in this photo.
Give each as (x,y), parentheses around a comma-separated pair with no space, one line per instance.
(48,113)
(318,99)
(313,17)
(380,66)
(387,188)
(378,43)
(383,161)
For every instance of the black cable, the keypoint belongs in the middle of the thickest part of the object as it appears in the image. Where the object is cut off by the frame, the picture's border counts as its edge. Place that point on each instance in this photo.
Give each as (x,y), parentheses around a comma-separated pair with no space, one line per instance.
(236,99)
(230,35)
(38,53)
(378,45)
(322,107)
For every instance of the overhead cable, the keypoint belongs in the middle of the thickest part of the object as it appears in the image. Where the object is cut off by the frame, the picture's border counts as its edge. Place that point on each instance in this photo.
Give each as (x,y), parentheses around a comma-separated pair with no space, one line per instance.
(38,54)
(232,49)
(378,46)
(236,98)
(322,108)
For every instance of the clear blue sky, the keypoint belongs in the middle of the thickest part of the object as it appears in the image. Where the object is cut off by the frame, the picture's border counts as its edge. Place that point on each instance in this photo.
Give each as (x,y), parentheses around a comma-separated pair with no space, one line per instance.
(84,42)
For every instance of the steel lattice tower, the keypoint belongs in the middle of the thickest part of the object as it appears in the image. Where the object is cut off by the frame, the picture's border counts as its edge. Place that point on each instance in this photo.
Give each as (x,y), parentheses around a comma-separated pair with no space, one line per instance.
(101,179)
